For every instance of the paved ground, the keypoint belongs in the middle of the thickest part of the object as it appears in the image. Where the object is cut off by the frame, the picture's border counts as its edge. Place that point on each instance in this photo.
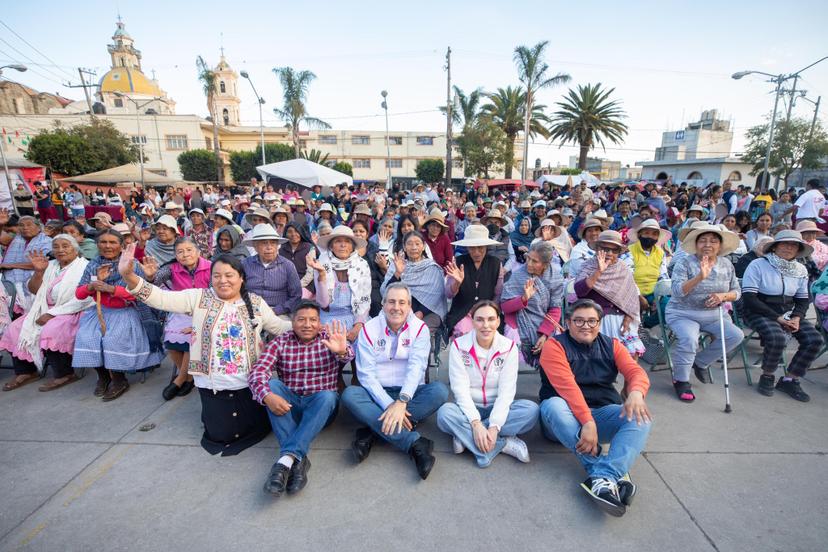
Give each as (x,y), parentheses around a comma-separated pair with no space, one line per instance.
(78,474)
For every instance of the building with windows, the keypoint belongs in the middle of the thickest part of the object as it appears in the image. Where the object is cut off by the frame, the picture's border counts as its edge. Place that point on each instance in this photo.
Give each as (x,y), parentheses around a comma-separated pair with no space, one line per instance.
(699,154)
(604,169)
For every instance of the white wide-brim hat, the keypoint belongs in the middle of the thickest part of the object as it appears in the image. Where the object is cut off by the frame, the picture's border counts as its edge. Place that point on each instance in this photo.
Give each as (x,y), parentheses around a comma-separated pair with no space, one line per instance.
(476,235)
(730,241)
(650,224)
(341,231)
(263,232)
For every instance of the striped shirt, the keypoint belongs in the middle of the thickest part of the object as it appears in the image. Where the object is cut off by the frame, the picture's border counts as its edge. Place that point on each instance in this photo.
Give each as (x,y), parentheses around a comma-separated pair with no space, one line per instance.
(277,283)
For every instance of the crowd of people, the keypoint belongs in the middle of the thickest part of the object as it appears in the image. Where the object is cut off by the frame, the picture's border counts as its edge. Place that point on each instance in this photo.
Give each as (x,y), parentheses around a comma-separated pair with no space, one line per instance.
(263,300)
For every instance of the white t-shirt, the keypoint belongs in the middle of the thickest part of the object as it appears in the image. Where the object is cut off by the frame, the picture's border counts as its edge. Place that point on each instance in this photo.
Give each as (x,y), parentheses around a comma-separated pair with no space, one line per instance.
(810,204)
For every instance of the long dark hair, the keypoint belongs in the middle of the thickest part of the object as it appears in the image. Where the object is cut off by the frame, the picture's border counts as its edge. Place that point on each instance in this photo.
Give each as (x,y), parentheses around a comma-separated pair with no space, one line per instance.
(236,265)
(398,239)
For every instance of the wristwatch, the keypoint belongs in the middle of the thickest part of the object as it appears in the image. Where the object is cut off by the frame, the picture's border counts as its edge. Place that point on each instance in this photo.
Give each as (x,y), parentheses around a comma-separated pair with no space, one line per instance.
(403,398)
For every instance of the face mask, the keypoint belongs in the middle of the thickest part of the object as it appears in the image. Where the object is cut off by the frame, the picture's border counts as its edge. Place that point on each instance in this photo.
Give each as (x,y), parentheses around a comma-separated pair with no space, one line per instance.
(647,243)
(493,229)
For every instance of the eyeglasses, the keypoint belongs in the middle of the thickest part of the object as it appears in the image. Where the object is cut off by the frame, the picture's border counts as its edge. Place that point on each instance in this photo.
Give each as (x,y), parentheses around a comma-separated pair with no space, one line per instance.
(588,322)
(613,250)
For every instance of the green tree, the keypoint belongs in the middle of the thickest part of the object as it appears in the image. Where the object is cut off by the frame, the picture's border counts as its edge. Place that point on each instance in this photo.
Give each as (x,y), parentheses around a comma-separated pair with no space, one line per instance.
(295,85)
(243,165)
(207,77)
(344,168)
(794,146)
(465,108)
(198,165)
(506,110)
(276,152)
(316,156)
(568,171)
(81,149)
(587,117)
(484,147)
(430,170)
(533,72)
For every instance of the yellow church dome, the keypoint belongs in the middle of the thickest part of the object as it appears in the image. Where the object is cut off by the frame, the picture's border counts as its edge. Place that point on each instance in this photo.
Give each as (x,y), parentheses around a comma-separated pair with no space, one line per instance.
(126,80)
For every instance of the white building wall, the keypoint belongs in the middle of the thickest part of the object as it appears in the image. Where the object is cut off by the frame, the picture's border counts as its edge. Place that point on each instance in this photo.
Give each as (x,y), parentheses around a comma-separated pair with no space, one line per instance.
(710,172)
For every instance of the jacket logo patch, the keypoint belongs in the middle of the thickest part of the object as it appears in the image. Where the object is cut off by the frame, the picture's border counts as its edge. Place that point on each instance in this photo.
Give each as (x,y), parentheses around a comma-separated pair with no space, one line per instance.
(406,342)
(381,344)
(498,362)
(466,359)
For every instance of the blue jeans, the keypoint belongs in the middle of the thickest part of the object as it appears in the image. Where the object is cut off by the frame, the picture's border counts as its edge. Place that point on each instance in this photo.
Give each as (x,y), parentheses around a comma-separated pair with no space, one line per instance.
(523,415)
(627,439)
(309,414)
(425,402)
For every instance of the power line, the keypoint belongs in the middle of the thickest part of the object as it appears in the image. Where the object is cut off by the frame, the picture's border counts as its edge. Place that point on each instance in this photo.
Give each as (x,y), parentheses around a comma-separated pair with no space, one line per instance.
(38,73)
(32,47)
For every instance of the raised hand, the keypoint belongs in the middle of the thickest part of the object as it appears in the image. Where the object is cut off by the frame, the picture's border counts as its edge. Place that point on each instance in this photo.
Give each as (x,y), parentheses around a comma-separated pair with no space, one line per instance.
(337,341)
(455,273)
(706,266)
(528,290)
(314,237)
(150,266)
(145,235)
(39,261)
(382,262)
(399,264)
(104,271)
(601,257)
(126,262)
(313,263)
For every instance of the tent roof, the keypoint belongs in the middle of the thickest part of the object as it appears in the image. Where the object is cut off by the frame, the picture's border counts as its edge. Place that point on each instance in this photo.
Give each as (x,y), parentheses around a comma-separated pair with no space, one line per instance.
(131,172)
(304,173)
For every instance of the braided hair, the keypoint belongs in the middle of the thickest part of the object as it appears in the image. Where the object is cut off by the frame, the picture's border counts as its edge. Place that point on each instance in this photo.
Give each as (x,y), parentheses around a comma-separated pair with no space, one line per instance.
(236,265)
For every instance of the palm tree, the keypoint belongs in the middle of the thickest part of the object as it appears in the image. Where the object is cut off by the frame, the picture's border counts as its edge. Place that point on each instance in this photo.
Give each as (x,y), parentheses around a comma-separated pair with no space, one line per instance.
(316,156)
(532,72)
(295,86)
(208,84)
(587,117)
(506,110)
(465,109)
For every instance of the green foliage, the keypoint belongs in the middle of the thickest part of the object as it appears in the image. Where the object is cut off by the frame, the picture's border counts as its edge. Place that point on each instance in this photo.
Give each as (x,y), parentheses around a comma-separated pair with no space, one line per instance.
(587,117)
(84,148)
(791,148)
(465,108)
(198,165)
(295,85)
(316,156)
(344,168)
(275,153)
(484,147)
(430,170)
(570,171)
(243,166)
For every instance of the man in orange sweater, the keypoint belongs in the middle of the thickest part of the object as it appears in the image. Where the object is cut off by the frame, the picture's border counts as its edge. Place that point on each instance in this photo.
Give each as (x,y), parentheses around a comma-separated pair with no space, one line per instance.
(580,406)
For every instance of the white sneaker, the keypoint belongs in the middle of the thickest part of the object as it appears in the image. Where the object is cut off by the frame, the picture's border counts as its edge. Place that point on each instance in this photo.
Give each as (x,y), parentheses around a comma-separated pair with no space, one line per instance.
(458,446)
(516,448)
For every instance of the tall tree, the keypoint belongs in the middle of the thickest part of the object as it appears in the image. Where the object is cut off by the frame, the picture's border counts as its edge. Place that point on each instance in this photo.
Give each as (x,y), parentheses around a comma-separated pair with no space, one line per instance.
(484,147)
(207,77)
(587,117)
(295,85)
(533,72)
(465,108)
(795,146)
(316,156)
(506,110)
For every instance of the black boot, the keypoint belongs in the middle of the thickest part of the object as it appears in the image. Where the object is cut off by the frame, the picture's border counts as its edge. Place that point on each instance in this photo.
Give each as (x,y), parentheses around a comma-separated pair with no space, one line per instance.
(420,452)
(765,386)
(363,441)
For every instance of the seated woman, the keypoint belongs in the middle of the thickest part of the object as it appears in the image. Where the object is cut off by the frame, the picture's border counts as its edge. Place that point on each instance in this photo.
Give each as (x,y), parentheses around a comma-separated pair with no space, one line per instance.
(297,248)
(550,232)
(588,233)
(473,277)
(760,228)
(521,239)
(342,280)
(383,240)
(423,277)
(227,324)
(775,300)
(609,282)
(703,280)
(483,369)
(48,329)
(161,247)
(532,299)
(405,225)
(437,240)
(729,222)
(229,242)
(189,271)
(495,224)
(649,264)
(377,263)
(112,339)
(810,234)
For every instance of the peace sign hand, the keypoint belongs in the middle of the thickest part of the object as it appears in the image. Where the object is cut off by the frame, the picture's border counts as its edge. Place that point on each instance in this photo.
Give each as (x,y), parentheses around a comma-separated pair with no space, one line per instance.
(39,261)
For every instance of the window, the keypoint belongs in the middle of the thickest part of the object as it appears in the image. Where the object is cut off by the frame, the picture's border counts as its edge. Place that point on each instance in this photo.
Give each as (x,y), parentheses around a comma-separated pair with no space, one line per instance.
(222,87)
(327,139)
(735,176)
(395,140)
(695,175)
(679,135)
(119,102)
(425,140)
(226,116)
(393,163)
(360,140)
(176,141)
(138,139)
(362,163)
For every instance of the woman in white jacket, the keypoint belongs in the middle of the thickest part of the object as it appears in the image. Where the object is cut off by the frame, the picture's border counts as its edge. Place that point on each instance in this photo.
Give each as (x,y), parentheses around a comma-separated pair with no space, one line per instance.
(483,371)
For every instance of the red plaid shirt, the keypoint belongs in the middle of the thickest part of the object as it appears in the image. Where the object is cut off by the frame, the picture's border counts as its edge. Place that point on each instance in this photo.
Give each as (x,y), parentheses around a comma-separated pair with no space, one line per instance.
(305,368)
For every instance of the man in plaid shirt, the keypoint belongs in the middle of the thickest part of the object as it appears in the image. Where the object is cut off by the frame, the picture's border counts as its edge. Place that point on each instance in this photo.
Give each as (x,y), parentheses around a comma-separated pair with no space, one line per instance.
(301,397)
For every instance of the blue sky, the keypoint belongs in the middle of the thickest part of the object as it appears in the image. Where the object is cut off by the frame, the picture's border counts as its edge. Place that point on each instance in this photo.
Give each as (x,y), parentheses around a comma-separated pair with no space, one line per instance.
(667,60)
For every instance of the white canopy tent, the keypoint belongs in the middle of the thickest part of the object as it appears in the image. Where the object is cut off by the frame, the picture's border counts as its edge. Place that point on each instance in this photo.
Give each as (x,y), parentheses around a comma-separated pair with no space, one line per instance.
(129,173)
(304,173)
(556,179)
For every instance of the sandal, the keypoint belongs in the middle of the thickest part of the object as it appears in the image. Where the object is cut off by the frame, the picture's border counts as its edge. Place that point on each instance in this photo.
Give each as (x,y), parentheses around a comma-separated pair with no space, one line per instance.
(684,391)
(115,391)
(14,384)
(56,383)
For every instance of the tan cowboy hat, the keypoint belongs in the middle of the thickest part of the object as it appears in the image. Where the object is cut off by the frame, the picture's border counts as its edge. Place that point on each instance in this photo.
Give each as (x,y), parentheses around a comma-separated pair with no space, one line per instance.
(362,209)
(788,236)
(808,226)
(476,235)
(589,223)
(341,231)
(435,216)
(121,228)
(278,211)
(170,205)
(600,214)
(262,232)
(613,237)
(259,212)
(547,222)
(103,217)
(730,241)
(650,224)
(687,229)
(492,214)
(525,204)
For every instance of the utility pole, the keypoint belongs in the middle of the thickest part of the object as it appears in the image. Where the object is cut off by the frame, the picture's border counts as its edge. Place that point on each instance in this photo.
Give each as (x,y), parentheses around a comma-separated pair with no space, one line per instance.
(810,134)
(787,121)
(448,118)
(86,87)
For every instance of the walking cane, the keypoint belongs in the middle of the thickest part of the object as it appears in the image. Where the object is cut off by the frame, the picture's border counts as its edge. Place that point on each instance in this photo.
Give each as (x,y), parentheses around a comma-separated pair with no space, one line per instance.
(724,361)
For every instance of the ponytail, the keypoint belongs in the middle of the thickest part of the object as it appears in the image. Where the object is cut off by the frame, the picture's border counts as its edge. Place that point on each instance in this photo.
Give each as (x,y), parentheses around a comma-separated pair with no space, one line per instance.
(248,304)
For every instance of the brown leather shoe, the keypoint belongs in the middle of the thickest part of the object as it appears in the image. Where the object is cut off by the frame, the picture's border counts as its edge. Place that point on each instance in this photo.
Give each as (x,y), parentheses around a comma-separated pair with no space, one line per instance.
(116,389)
(101,387)
(58,383)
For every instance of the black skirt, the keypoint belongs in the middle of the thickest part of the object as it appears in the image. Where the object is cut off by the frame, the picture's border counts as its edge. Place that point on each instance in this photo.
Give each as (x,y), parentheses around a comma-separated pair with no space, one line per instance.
(232,420)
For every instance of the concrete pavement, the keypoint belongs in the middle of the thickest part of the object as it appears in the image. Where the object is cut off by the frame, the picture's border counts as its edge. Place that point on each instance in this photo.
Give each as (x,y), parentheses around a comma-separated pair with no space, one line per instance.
(79,474)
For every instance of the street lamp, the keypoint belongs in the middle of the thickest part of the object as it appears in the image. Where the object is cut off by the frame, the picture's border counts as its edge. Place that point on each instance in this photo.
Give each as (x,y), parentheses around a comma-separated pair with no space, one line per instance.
(138,124)
(778,80)
(261,103)
(384,105)
(21,68)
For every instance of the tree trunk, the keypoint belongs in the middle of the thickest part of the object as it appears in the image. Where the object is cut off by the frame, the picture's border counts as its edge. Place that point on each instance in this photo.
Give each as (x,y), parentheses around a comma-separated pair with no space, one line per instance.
(295,133)
(528,114)
(582,157)
(216,148)
(510,158)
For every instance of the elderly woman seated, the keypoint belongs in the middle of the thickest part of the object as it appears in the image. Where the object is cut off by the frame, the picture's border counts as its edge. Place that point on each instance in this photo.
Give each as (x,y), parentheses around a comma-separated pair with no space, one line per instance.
(609,282)
(703,280)
(532,300)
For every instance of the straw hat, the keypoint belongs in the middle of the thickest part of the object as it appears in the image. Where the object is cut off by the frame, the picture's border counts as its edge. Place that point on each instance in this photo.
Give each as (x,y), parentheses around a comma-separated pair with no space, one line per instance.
(760,241)
(525,204)
(326,207)
(730,241)
(808,226)
(262,232)
(122,228)
(697,208)
(362,209)
(299,203)
(103,217)
(492,214)
(787,236)
(613,237)
(476,235)
(589,223)
(170,205)
(601,215)
(687,229)
(278,211)
(547,222)
(651,224)
(260,212)
(341,231)
(168,221)
(435,216)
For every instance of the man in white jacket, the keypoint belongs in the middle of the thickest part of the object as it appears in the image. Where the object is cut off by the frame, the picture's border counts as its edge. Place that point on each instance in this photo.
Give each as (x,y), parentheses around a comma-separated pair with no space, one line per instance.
(483,370)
